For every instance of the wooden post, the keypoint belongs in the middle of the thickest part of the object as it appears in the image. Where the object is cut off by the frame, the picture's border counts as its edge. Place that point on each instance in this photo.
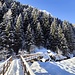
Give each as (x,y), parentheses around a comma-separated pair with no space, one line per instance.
(28,73)
(10,59)
(24,68)
(7,65)
(3,69)
(23,65)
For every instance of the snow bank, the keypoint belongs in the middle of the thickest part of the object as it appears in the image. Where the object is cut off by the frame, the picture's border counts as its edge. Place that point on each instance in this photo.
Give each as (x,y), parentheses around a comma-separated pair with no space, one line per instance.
(55,56)
(50,53)
(64,67)
(38,69)
(43,52)
(60,57)
(68,65)
(48,68)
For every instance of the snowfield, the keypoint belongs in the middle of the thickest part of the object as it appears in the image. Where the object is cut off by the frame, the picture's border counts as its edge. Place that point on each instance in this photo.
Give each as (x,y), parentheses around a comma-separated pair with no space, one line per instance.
(65,67)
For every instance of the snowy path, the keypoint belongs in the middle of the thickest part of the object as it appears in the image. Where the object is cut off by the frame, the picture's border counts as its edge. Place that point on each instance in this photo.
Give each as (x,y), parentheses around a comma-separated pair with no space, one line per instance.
(15,68)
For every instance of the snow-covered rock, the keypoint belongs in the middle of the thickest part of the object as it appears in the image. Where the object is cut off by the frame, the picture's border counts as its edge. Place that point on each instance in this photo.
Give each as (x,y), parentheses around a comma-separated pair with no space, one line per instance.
(60,57)
(55,56)
(51,53)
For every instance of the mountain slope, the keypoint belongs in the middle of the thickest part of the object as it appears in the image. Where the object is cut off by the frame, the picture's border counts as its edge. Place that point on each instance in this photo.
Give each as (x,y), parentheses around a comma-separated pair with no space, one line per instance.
(22,26)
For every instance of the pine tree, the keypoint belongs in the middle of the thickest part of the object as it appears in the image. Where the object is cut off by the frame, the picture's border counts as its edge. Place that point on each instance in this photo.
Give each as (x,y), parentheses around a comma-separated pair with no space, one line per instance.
(15,9)
(35,15)
(29,38)
(39,38)
(69,33)
(62,41)
(54,34)
(18,34)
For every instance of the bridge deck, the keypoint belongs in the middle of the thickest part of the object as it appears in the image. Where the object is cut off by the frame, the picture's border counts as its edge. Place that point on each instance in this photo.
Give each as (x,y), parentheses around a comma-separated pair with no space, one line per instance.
(15,68)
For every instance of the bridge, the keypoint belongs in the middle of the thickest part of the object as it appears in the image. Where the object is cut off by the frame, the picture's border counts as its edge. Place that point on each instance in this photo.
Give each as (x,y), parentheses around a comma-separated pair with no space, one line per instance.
(16,66)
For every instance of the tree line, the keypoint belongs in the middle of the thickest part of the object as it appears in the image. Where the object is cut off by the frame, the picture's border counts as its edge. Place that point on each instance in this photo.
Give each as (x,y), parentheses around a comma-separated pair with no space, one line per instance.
(22,26)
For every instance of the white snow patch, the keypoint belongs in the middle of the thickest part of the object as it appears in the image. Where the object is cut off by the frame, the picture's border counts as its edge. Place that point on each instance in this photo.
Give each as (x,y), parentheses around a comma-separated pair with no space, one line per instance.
(51,53)
(60,57)
(68,65)
(43,52)
(46,12)
(38,69)
(43,59)
(56,56)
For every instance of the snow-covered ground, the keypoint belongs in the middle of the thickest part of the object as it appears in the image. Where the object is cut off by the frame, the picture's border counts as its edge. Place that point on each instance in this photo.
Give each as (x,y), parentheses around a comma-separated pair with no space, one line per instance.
(47,54)
(15,68)
(65,67)
(1,62)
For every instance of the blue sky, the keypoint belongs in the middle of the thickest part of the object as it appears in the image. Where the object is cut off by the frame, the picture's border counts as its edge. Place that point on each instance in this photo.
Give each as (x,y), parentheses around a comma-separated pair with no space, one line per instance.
(63,9)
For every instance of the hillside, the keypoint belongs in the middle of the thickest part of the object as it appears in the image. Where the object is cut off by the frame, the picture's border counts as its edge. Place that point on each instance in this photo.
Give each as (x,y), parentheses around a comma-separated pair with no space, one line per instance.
(22,26)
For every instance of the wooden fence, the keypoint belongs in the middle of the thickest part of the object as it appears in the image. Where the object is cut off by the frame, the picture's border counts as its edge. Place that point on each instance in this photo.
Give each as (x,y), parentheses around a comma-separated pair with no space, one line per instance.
(26,67)
(4,66)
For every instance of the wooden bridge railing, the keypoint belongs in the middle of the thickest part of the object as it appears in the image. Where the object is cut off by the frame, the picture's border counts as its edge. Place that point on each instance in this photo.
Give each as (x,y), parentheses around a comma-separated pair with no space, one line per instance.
(5,65)
(26,67)
(29,55)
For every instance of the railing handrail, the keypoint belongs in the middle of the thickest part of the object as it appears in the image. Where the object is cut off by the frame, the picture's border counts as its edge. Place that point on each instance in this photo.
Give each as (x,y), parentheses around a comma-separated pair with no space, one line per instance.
(27,66)
(27,55)
(5,61)
(4,66)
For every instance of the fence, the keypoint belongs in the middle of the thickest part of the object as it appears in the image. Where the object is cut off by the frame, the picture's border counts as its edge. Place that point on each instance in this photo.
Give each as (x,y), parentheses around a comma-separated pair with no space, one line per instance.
(26,67)
(5,65)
